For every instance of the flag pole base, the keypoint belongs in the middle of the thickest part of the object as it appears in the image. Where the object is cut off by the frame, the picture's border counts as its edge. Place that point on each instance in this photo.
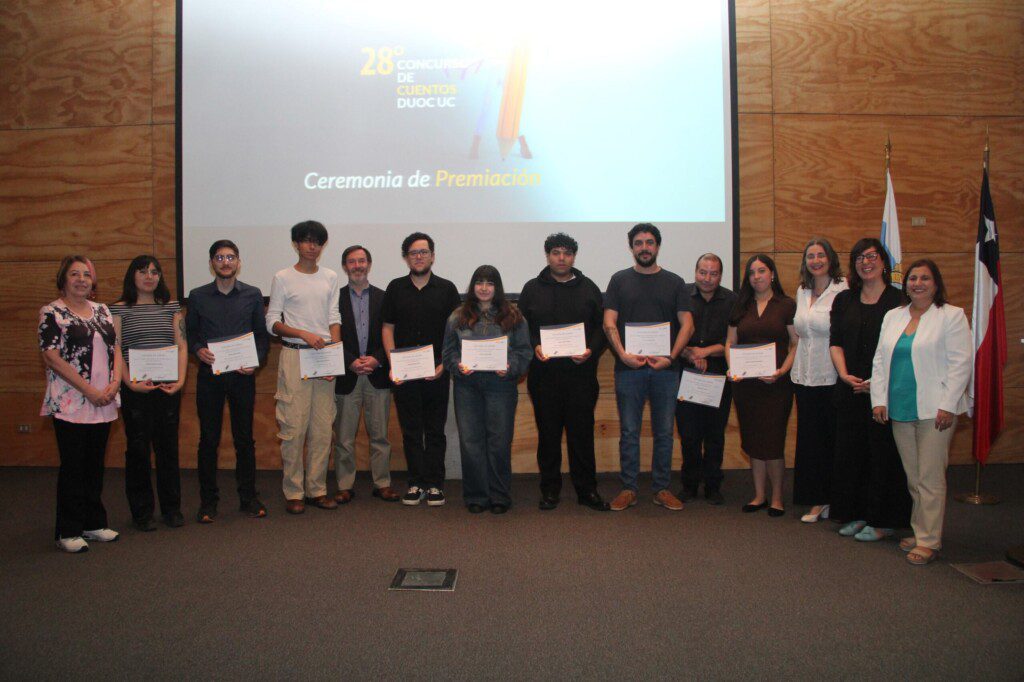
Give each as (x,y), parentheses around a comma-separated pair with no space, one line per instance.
(1015,555)
(977,498)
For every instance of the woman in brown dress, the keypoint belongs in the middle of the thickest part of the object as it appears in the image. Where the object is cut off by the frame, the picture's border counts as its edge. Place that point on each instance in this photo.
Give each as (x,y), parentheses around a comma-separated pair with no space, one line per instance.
(764,314)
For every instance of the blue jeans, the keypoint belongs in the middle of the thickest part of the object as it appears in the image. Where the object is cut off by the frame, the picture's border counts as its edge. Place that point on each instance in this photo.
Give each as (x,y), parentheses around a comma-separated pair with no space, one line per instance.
(485,411)
(633,387)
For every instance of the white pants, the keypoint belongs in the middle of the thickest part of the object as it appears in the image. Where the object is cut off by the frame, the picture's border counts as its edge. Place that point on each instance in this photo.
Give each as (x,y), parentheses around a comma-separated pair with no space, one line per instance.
(925,454)
(305,413)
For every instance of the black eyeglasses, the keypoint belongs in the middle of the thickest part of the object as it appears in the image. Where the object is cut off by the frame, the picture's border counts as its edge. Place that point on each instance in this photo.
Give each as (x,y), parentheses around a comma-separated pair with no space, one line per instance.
(866,257)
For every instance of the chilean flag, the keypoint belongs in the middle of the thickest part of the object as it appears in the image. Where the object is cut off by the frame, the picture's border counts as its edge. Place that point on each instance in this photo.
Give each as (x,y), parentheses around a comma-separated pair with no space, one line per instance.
(989,324)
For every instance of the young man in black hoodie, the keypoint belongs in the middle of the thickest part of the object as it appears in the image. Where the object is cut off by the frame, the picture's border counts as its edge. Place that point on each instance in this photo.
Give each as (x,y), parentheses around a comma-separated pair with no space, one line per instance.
(564,390)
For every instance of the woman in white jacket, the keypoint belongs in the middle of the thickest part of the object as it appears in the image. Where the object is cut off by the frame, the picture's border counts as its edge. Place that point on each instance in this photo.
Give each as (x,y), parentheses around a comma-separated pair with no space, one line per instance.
(919,380)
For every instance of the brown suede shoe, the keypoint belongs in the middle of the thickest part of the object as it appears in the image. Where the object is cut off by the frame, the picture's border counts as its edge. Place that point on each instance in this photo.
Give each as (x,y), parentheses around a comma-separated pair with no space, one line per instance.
(295,506)
(322,502)
(344,496)
(625,499)
(387,493)
(666,499)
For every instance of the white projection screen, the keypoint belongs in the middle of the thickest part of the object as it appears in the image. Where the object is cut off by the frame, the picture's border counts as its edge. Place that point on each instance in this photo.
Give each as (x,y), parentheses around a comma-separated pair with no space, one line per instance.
(486,126)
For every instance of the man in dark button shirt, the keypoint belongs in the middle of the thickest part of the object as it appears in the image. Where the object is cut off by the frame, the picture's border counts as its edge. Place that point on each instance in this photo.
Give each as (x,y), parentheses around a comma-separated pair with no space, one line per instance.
(364,389)
(222,309)
(416,308)
(564,390)
(702,428)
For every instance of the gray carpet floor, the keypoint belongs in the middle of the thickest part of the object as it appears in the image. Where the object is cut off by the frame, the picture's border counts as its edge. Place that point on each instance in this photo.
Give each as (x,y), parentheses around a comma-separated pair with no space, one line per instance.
(707,593)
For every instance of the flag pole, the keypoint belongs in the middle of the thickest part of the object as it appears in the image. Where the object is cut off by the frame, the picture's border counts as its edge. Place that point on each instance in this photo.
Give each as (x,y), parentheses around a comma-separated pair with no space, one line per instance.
(978,497)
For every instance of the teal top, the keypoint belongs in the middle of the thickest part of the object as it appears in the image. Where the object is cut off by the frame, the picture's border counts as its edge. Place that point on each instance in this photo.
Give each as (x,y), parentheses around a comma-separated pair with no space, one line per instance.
(902,384)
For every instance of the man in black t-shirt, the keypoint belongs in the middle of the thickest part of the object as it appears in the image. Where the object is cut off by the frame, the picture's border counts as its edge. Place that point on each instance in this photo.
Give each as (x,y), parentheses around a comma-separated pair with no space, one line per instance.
(646,294)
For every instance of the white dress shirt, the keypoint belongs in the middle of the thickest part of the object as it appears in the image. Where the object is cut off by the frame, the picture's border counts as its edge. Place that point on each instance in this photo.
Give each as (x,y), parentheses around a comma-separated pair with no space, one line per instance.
(812,364)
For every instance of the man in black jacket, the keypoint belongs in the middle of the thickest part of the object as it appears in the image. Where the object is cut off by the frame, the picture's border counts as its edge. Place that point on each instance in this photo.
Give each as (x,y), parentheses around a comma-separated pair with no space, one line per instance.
(365,387)
(564,390)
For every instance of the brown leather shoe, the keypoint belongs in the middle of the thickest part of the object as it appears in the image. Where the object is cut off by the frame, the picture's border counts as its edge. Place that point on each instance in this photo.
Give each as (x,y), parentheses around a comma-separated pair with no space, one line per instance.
(624,500)
(387,493)
(666,499)
(295,506)
(322,502)
(344,496)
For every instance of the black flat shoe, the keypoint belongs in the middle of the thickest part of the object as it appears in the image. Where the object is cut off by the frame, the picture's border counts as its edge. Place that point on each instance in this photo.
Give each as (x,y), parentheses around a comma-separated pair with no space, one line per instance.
(594,501)
(499,508)
(475,508)
(548,501)
(748,508)
(145,525)
(776,513)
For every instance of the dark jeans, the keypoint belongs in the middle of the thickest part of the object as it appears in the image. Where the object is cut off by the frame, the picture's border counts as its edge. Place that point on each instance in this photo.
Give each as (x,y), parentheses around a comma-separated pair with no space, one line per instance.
(702,440)
(80,479)
(634,387)
(151,421)
(485,410)
(240,392)
(422,412)
(564,403)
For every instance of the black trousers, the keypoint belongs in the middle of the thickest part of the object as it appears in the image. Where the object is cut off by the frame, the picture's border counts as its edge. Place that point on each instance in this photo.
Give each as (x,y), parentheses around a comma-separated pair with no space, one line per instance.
(868,481)
(815,444)
(80,478)
(151,424)
(564,402)
(239,390)
(702,440)
(422,412)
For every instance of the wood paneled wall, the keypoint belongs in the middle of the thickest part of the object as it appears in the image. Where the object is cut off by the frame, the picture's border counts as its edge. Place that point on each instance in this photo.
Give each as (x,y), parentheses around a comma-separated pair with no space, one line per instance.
(87,165)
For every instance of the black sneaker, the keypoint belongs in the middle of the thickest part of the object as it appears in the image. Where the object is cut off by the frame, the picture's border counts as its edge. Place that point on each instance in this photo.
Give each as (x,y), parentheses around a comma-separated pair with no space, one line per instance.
(207,513)
(435,498)
(174,520)
(253,508)
(714,496)
(687,493)
(146,525)
(414,496)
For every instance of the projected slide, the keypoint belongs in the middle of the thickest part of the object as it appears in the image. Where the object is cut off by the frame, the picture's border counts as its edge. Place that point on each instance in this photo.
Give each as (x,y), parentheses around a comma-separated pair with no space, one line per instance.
(486,124)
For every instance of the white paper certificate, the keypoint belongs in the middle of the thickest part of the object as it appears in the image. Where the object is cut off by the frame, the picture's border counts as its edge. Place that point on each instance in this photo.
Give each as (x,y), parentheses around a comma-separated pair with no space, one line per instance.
(153,364)
(563,340)
(232,354)
(412,363)
(750,361)
(648,338)
(486,355)
(701,388)
(329,361)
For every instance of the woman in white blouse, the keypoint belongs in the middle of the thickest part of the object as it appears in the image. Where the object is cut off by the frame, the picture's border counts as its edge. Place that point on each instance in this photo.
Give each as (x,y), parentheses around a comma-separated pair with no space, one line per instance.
(919,380)
(814,378)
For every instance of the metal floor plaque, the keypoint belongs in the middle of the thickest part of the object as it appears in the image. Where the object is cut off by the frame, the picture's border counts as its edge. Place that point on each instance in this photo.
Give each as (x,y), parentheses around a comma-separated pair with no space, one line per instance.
(429,579)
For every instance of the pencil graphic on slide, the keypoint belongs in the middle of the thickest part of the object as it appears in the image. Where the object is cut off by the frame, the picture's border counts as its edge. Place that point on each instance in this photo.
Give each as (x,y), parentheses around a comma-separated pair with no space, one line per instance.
(511,109)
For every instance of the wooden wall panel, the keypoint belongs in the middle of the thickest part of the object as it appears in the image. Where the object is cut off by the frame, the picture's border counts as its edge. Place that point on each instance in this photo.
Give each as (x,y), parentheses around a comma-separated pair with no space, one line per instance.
(75,63)
(165,26)
(830,179)
(165,239)
(83,190)
(757,219)
(753,56)
(915,57)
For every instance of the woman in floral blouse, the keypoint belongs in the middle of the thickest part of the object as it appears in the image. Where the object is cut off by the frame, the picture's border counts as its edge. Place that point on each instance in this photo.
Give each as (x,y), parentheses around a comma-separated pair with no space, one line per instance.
(83,372)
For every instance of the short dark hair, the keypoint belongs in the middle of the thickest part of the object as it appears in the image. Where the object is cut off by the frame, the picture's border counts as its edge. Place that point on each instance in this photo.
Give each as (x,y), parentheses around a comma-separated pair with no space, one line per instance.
(65,265)
(352,249)
(645,227)
(862,245)
(560,240)
(222,244)
(130,293)
(413,238)
(940,287)
(709,256)
(309,231)
(835,271)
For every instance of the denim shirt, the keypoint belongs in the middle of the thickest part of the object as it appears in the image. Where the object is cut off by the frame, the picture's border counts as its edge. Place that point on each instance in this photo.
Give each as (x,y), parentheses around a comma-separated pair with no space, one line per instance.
(519,349)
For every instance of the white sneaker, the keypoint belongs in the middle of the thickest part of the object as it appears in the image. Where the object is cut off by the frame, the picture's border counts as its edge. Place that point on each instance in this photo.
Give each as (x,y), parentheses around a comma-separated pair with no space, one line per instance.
(73,545)
(101,535)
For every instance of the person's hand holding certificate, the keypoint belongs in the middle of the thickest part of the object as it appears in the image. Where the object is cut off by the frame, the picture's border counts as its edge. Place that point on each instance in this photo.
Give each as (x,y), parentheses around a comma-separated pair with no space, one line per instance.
(648,338)
(751,361)
(153,364)
(485,355)
(234,354)
(701,388)
(329,361)
(412,363)
(563,340)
